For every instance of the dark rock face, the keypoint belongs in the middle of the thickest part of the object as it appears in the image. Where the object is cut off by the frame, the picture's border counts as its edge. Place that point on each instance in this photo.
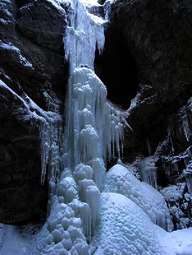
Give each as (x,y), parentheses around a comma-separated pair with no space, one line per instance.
(31,65)
(157,35)
(117,69)
(43,23)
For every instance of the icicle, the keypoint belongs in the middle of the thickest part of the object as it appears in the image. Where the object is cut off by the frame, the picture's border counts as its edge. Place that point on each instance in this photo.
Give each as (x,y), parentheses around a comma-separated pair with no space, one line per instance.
(188,176)
(45,147)
(96,126)
(83,211)
(93,199)
(88,143)
(90,194)
(86,118)
(83,185)
(149,171)
(82,35)
(99,172)
(186,129)
(51,137)
(171,140)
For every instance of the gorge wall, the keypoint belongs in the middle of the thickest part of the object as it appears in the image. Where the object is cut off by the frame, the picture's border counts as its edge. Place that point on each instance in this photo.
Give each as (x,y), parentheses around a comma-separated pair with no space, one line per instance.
(147,56)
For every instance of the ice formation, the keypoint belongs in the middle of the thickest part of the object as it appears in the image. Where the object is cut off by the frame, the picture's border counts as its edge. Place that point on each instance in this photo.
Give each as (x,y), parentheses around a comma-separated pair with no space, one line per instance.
(188,176)
(84,33)
(124,228)
(120,180)
(93,133)
(97,126)
(184,116)
(171,193)
(148,171)
(51,138)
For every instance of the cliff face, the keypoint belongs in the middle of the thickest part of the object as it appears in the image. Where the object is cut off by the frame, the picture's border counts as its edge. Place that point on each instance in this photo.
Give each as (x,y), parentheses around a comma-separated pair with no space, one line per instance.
(31,65)
(147,56)
(157,36)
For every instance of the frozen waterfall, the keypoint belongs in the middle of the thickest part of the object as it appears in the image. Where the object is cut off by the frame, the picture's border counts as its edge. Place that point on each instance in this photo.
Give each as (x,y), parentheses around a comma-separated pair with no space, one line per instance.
(93,133)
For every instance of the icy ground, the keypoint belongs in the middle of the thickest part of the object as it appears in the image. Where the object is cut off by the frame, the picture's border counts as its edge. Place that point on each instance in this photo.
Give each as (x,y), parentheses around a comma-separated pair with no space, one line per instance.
(16,241)
(124,229)
(177,242)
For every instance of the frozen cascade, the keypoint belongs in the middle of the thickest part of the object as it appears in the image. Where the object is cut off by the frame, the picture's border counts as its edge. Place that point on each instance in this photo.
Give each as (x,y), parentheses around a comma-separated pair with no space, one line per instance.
(84,33)
(97,125)
(93,133)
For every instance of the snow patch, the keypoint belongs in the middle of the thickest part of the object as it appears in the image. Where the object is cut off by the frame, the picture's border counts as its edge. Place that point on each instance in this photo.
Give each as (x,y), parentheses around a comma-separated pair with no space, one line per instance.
(14,50)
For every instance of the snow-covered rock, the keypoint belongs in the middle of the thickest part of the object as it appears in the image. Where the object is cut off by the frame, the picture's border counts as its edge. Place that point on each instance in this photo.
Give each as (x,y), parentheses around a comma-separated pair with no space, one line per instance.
(172,193)
(120,180)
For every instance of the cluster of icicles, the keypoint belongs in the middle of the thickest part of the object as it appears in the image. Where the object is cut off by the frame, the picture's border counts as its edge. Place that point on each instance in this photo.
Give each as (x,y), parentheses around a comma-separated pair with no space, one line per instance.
(185,122)
(93,133)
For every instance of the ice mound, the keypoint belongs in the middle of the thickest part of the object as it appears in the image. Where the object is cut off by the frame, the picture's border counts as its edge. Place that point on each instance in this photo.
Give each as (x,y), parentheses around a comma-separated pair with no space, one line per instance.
(120,180)
(124,228)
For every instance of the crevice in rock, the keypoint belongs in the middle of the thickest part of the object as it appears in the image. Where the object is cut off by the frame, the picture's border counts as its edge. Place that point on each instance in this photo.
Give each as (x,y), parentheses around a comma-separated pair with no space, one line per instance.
(117,68)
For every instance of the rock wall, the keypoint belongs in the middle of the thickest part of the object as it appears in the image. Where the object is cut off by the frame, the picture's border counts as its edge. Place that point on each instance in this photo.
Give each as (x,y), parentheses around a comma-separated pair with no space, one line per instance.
(32,66)
(157,35)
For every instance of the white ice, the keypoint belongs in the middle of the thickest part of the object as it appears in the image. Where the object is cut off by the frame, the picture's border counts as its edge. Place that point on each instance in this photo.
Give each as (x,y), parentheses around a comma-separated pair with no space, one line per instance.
(120,179)
(82,36)
(172,193)
(149,171)
(124,229)
(175,243)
